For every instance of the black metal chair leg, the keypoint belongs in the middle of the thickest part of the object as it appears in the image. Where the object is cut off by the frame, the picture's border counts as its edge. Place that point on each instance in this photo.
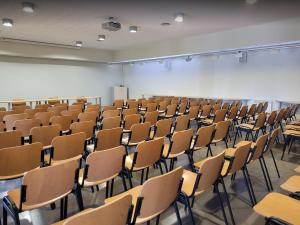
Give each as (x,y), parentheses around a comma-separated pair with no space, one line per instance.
(250,185)
(221,203)
(79,198)
(112,187)
(4,216)
(275,164)
(130,180)
(188,205)
(227,200)
(147,173)
(263,170)
(267,173)
(248,188)
(157,220)
(177,213)
(142,177)
(66,207)
(107,189)
(235,136)
(160,168)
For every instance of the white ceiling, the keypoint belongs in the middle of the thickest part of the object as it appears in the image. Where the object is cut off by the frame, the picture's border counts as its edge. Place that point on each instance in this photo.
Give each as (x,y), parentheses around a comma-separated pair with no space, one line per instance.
(67,21)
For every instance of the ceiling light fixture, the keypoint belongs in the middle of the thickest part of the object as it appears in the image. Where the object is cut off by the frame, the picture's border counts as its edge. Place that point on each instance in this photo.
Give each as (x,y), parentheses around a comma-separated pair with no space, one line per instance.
(179,17)
(28,7)
(101,37)
(165,24)
(251,2)
(188,59)
(133,29)
(78,44)
(7,22)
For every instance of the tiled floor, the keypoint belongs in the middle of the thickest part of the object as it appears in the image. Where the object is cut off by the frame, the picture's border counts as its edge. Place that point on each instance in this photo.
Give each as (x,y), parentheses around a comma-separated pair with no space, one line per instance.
(206,209)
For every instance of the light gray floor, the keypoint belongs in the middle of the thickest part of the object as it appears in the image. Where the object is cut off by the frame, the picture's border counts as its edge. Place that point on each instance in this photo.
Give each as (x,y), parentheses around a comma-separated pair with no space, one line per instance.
(206,209)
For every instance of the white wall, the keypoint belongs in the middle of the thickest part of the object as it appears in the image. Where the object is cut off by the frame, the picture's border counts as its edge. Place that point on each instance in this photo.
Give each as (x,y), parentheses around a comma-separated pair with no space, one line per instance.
(33,78)
(267,75)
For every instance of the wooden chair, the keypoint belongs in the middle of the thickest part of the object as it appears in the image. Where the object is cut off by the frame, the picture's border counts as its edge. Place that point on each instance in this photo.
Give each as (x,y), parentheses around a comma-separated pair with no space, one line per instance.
(181,109)
(162,128)
(25,126)
(150,107)
(193,112)
(226,106)
(271,143)
(179,144)
(88,116)
(63,121)
(169,113)
(111,122)
(248,128)
(271,121)
(106,139)
(4,113)
(127,112)
(119,103)
(10,119)
(44,117)
(103,167)
(148,153)
(87,127)
(110,107)
(67,147)
(151,117)
(95,108)
(131,120)
(11,138)
(2,109)
(219,116)
(42,106)
(251,112)
(72,113)
(41,187)
(235,160)
(20,108)
(279,209)
(242,116)
(44,135)
(31,112)
(181,123)
(205,112)
(57,109)
(121,209)
(259,108)
(132,104)
(110,113)
(137,133)
(162,107)
(207,175)
(146,197)
(16,161)
(221,132)
(77,107)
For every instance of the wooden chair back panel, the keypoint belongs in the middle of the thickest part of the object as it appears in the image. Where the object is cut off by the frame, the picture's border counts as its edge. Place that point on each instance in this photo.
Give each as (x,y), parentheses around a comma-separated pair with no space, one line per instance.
(194,111)
(132,104)
(45,134)
(88,116)
(10,119)
(221,130)
(182,107)
(151,117)
(261,119)
(25,125)
(111,113)
(20,108)
(68,146)
(4,113)
(220,115)
(94,107)
(252,110)
(206,110)
(243,111)
(233,113)
(31,112)
(163,127)
(163,105)
(131,120)
(181,141)
(140,132)
(204,136)
(77,107)
(272,117)
(151,107)
(111,122)
(127,112)
(57,109)
(72,113)
(63,121)
(260,146)
(44,117)
(182,123)
(15,161)
(42,106)
(241,156)
(10,139)
(119,103)
(171,110)
(109,138)
(273,137)
(86,127)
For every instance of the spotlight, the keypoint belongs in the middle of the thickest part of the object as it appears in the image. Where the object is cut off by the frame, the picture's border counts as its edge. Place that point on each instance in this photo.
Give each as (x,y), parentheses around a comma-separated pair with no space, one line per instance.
(7,22)
(188,59)
(28,7)
(179,17)
(78,44)
(101,37)
(133,29)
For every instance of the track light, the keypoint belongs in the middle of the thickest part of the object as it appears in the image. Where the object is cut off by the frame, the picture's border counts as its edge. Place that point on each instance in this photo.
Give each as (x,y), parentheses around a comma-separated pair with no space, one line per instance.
(7,22)
(101,37)
(78,44)
(179,17)
(133,29)
(28,7)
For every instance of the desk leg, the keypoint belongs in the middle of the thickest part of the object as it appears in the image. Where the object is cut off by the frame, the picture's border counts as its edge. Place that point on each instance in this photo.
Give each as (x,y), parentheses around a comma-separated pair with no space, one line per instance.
(30,104)
(9,107)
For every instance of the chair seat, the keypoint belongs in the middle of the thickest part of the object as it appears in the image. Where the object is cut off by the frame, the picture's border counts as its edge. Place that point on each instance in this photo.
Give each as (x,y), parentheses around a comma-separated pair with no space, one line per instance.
(292,184)
(171,155)
(292,133)
(199,163)
(279,206)
(246,126)
(292,127)
(189,179)
(225,167)
(93,183)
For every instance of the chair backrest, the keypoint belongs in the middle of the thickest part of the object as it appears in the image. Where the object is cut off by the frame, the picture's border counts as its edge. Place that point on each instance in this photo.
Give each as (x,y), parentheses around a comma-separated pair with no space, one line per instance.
(163,105)
(273,137)
(119,103)
(194,103)
(140,100)
(265,107)
(206,110)
(182,107)
(10,139)
(220,115)
(111,122)
(181,141)
(243,111)
(72,113)
(68,146)
(221,130)
(131,120)
(149,152)
(45,134)
(111,113)
(127,112)
(210,170)
(182,123)
(105,164)
(132,104)
(63,121)
(233,112)
(94,107)
(112,213)
(20,108)
(42,106)
(205,136)
(15,161)
(159,193)
(144,103)
(163,127)
(10,119)
(240,156)
(108,138)
(25,125)
(252,110)
(151,106)
(57,109)
(2,109)
(86,127)
(77,107)
(31,112)
(287,113)
(260,120)
(193,112)
(226,105)
(44,117)
(4,113)
(272,117)
(48,184)
(259,107)
(175,101)
(280,115)
(216,107)
(171,110)
(151,117)
(140,132)
(88,116)
(260,146)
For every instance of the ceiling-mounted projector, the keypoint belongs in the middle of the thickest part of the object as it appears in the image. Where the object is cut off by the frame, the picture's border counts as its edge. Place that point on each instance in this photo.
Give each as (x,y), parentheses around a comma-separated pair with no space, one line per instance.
(111,25)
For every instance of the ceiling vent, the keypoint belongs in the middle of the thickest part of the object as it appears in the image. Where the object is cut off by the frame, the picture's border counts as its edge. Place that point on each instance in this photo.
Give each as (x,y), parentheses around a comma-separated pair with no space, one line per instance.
(111,25)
